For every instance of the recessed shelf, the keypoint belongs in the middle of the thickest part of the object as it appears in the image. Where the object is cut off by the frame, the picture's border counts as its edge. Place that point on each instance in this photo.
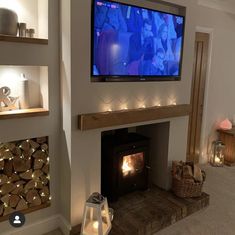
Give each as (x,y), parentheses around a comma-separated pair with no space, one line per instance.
(34,13)
(6,38)
(123,117)
(26,91)
(22,113)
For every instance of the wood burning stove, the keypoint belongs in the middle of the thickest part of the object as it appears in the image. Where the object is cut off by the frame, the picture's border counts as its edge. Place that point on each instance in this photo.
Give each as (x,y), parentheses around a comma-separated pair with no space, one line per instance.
(124,168)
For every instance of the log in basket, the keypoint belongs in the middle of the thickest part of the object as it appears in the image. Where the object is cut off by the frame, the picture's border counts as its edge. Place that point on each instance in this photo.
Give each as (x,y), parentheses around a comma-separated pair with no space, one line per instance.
(187,179)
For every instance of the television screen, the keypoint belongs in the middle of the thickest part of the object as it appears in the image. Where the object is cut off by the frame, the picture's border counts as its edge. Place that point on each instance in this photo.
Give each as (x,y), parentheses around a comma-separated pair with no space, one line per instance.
(134,42)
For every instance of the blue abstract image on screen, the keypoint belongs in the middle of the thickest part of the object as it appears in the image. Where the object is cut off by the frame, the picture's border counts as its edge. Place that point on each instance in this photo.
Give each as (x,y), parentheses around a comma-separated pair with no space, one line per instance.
(134,41)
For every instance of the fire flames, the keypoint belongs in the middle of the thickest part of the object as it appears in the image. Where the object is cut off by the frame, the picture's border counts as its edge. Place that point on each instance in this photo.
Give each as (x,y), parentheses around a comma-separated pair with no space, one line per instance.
(132,163)
(127,166)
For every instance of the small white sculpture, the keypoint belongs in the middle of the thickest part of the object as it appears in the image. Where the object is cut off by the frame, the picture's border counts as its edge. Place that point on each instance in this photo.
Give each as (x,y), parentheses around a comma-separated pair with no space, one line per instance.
(7,102)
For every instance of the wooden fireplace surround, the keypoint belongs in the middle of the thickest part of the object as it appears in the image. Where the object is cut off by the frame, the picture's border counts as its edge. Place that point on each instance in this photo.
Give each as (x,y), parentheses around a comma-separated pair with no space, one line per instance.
(117,118)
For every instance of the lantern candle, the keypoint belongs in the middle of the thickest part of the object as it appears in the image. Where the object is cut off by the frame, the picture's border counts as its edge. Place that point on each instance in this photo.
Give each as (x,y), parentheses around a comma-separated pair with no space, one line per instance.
(96,219)
(217,156)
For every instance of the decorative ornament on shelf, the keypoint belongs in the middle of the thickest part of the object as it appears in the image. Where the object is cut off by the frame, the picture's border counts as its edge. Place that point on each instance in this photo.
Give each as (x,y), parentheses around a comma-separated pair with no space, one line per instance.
(8,22)
(97,216)
(7,102)
(225,125)
(23,92)
(217,154)
(22,29)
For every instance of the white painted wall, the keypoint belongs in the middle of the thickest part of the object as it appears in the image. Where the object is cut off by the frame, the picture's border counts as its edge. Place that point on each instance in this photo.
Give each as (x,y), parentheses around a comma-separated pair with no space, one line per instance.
(65,70)
(16,129)
(220,95)
(43,18)
(89,97)
(94,97)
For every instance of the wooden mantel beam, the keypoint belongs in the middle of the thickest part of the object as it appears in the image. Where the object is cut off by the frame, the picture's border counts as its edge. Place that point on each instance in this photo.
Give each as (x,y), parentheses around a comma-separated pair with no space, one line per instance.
(123,117)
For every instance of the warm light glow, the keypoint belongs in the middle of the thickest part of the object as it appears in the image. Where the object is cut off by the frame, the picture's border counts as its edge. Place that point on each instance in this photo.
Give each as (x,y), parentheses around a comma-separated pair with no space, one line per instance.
(132,163)
(14,5)
(217,160)
(11,77)
(172,102)
(127,166)
(142,106)
(124,107)
(96,225)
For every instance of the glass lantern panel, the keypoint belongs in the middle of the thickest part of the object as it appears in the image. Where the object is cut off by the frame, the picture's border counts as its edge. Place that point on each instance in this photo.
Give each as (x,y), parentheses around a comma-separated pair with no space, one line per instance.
(92,220)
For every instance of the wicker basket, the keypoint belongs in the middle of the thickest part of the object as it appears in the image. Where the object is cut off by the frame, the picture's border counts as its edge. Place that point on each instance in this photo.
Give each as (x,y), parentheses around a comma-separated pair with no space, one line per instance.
(184,188)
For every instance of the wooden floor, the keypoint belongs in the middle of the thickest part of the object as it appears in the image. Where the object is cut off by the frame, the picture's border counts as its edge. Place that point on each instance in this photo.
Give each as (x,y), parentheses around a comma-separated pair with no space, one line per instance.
(145,213)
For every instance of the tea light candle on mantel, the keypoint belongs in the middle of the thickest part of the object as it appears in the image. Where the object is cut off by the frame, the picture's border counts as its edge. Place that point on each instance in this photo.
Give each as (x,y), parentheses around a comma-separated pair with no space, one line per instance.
(24,92)
(172,102)
(158,104)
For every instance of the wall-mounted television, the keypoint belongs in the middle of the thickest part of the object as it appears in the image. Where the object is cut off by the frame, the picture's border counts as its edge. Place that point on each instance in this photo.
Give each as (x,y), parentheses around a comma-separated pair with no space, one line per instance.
(132,43)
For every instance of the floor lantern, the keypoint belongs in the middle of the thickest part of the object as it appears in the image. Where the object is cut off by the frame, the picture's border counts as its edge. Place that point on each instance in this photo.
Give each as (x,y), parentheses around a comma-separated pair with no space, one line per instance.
(96,218)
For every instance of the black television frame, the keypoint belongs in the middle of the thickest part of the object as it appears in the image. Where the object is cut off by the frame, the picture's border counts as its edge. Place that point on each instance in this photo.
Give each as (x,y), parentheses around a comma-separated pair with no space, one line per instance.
(132,78)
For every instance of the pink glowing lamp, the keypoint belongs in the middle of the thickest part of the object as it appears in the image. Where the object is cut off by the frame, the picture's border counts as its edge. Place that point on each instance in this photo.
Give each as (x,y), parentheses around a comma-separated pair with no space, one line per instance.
(225,125)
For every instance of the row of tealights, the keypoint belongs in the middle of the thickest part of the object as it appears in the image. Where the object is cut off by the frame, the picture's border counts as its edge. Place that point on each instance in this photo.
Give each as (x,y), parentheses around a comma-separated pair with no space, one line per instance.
(141,105)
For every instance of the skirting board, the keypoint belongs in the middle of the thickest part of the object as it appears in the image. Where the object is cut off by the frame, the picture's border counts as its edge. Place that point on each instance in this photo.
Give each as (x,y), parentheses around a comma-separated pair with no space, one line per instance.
(42,227)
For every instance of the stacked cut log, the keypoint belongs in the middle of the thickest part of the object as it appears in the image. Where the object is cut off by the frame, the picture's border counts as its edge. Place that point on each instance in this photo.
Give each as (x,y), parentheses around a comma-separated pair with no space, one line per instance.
(24,175)
(187,171)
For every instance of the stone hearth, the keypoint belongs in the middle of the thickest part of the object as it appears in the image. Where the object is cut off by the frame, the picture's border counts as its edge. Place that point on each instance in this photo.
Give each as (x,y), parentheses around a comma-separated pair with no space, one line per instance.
(145,213)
